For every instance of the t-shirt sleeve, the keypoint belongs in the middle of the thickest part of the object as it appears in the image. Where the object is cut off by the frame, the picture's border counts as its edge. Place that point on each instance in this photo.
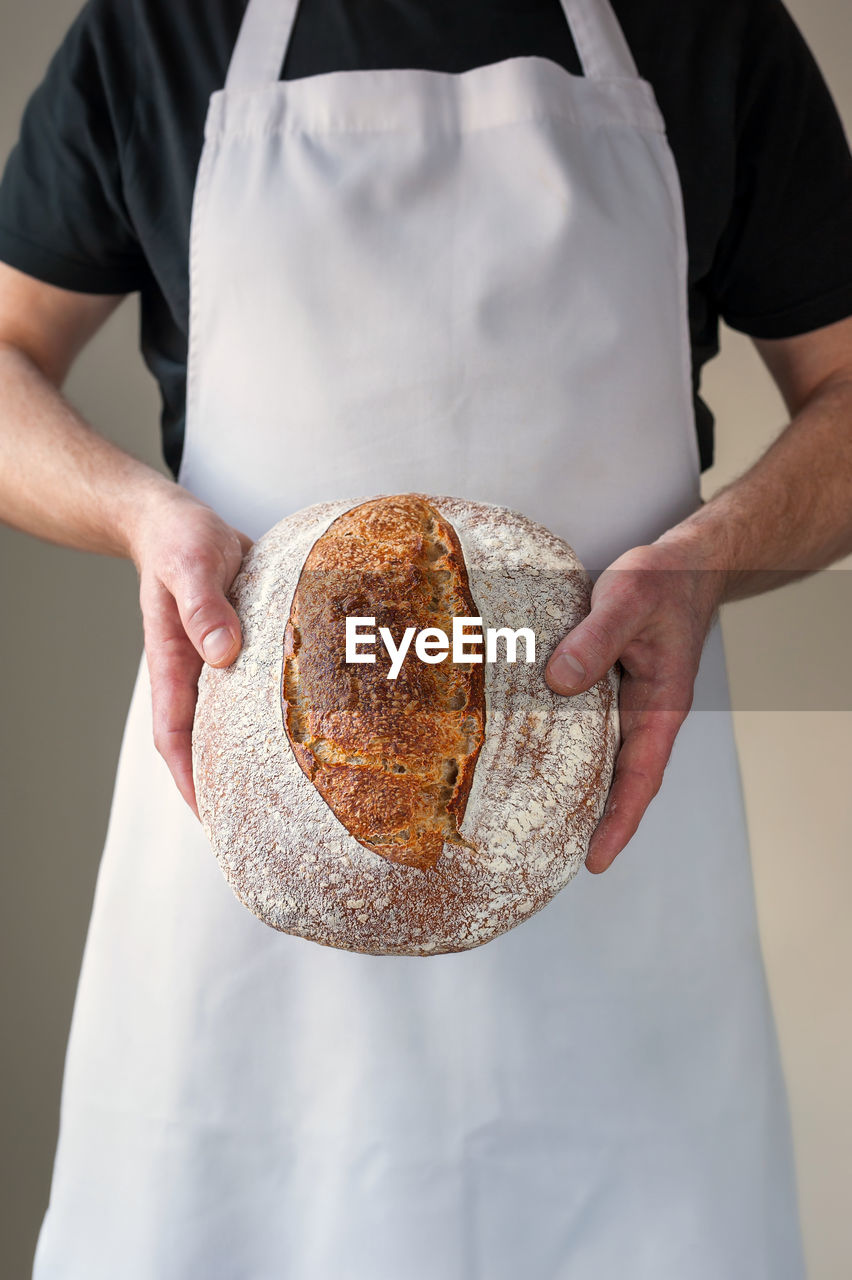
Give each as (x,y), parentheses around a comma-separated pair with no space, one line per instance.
(784,263)
(63,217)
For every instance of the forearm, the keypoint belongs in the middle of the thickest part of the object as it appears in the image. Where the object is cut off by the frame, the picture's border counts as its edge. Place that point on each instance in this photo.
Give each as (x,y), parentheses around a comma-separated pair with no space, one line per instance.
(790,514)
(59,479)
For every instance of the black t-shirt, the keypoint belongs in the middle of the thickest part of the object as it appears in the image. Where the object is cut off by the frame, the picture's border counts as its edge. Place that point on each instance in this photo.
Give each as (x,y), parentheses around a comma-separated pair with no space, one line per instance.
(97,194)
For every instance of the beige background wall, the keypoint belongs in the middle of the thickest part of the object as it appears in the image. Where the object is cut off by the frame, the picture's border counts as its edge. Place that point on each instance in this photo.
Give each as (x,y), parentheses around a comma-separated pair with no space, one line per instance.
(71,637)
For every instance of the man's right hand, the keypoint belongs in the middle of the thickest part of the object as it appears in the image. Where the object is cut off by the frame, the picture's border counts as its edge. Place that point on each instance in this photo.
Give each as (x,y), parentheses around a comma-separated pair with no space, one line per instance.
(187,558)
(62,481)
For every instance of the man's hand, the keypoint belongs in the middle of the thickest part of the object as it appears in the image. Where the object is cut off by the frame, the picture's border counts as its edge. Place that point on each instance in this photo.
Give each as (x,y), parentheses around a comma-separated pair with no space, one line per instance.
(187,558)
(651,610)
(787,516)
(62,481)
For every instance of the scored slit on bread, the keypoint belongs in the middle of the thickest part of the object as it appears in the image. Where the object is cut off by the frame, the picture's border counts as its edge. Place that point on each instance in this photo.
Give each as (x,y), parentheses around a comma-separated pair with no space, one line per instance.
(393,759)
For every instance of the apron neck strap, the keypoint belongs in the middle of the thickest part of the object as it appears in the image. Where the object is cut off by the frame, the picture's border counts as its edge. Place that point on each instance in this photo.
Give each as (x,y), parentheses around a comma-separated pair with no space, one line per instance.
(264,35)
(601,47)
(261,46)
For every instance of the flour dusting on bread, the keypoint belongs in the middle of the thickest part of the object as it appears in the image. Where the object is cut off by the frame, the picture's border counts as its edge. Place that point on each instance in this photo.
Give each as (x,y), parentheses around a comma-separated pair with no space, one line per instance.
(539,782)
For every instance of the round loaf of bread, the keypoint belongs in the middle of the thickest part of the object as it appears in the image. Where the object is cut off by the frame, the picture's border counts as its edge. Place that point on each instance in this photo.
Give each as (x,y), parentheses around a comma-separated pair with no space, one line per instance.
(407,807)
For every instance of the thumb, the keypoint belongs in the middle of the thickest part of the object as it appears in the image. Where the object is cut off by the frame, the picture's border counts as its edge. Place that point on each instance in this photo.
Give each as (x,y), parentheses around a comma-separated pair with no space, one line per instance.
(588,651)
(220,646)
(208,619)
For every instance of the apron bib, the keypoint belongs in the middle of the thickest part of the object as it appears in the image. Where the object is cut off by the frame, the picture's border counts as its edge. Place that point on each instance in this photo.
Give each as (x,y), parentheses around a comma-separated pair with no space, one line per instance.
(469,284)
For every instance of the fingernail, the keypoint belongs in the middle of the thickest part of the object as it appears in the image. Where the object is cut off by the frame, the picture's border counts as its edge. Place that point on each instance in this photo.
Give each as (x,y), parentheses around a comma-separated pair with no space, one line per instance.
(217,645)
(566,670)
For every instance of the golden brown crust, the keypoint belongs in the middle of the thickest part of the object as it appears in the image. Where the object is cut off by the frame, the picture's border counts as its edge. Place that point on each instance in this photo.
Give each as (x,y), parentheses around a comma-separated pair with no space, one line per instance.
(539,786)
(393,759)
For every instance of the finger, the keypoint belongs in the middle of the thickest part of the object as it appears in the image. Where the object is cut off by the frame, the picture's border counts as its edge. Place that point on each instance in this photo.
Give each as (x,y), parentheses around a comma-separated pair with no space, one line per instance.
(638,776)
(588,651)
(198,581)
(174,667)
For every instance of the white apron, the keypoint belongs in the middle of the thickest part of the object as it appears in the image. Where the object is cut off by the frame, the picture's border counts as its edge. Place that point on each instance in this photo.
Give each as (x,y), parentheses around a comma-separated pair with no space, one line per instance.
(466,284)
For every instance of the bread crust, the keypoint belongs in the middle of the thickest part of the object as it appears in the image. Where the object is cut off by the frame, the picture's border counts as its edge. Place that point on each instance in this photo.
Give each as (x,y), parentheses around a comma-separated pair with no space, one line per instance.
(393,758)
(532,796)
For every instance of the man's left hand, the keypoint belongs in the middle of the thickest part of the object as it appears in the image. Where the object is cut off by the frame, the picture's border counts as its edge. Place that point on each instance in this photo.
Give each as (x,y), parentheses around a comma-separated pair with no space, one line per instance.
(651,610)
